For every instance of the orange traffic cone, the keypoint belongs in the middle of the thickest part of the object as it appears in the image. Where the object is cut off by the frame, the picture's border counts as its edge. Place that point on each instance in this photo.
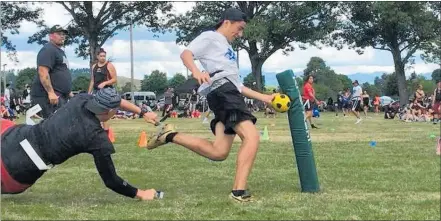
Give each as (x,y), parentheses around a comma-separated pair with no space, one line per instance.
(111,135)
(142,141)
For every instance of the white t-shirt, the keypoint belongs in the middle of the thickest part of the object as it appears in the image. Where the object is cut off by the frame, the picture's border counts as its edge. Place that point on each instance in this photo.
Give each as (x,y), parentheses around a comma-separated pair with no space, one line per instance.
(27,99)
(356,92)
(7,94)
(215,53)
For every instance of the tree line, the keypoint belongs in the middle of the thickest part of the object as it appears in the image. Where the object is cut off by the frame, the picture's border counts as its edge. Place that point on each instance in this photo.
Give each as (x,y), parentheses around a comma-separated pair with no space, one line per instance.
(402,28)
(327,82)
(156,81)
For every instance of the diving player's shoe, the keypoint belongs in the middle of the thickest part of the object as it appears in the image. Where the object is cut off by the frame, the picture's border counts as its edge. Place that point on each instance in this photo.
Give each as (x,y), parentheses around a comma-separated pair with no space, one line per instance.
(158,139)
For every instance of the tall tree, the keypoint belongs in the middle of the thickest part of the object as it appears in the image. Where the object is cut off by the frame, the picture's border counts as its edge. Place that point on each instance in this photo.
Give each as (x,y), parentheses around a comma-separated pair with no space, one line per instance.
(25,76)
(80,83)
(371,89)
(156,82)
(127,87)
(391,87)
(345,81)
(432,50)
(436,75)
(314,65)
(401,28)
(95,22)
(13,13)
(177,80)
(379,82)
(250,81)
(273,26)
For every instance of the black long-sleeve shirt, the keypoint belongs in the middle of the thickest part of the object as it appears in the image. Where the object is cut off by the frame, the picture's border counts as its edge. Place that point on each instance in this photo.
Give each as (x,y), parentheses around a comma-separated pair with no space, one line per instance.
(70,131)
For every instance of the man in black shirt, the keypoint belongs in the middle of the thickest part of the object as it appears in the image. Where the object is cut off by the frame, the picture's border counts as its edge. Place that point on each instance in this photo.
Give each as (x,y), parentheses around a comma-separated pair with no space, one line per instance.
(52,86)
(29,151)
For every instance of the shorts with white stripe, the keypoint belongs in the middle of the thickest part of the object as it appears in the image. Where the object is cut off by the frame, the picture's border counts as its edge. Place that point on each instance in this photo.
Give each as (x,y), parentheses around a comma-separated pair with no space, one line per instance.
(356,105)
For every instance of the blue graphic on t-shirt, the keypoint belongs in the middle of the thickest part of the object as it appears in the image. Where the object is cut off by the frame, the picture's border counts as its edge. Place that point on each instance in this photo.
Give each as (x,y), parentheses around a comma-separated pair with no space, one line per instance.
(231,55)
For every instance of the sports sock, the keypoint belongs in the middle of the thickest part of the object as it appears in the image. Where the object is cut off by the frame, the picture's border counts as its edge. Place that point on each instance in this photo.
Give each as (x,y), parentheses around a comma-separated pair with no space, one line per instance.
(170,136)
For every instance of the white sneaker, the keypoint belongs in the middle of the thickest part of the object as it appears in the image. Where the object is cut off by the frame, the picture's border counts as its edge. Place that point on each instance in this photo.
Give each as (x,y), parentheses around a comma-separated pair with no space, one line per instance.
(358,120)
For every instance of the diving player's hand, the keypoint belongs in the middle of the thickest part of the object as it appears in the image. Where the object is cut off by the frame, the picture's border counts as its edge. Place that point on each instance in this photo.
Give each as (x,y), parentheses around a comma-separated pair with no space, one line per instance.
(201,77)
(150,117)
(146,194)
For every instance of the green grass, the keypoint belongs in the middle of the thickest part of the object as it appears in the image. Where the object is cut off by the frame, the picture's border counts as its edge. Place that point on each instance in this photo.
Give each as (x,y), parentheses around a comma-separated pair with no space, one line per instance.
(398,179)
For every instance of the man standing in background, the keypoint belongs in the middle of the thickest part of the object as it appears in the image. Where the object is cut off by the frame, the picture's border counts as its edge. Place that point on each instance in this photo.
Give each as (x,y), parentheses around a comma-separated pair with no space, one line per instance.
(168,100)
(356,100)
(52,86)
(27,96)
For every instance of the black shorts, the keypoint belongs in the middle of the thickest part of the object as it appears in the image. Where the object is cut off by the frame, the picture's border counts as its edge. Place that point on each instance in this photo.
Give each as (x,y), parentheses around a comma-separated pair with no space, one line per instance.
(365,101)
(229,107)
(356,105)
(308,104)
(47,109)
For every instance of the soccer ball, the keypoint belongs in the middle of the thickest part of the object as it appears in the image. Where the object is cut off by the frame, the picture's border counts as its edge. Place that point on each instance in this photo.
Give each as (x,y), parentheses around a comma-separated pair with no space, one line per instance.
(281,103)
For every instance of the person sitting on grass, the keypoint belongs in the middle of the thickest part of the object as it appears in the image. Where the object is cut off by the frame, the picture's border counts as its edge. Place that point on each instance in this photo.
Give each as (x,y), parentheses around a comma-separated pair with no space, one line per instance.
(73,129)
(4,113)
(269,111)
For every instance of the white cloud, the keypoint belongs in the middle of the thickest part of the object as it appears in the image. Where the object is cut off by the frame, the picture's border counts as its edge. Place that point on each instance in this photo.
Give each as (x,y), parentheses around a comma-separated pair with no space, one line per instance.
(54,13)
(164,56)
(25,58)
(142,68)
(298,59)
(351,69)
(28,59)
(425,68)
(142,49)
(182,7)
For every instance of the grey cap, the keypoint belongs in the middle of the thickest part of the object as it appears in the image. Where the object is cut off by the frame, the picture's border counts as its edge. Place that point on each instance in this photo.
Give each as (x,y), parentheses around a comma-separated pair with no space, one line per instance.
(104,100)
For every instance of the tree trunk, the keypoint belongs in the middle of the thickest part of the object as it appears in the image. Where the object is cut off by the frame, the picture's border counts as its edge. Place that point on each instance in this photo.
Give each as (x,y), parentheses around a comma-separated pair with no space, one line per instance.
(256,64)
(93,49)
(401,76)
(256,69)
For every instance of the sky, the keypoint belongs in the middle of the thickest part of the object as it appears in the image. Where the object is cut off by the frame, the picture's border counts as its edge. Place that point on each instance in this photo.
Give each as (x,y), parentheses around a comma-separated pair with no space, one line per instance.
(162,53)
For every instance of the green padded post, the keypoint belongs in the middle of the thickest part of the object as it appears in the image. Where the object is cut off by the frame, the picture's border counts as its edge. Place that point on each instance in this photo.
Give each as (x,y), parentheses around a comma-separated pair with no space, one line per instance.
(300,133)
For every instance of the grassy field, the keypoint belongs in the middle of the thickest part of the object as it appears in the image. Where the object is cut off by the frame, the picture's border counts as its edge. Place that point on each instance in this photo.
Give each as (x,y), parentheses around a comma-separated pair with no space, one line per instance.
(397,179)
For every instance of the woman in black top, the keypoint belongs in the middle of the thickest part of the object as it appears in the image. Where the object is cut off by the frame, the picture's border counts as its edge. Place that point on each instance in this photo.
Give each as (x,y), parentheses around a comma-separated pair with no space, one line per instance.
(103,75)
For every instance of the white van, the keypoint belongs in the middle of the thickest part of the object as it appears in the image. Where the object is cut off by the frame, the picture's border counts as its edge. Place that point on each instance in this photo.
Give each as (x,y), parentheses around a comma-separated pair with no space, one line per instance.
(140,96)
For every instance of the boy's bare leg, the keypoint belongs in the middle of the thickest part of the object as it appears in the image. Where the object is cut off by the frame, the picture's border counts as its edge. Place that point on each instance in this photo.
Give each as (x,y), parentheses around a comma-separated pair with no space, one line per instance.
(220,149)
(249,135)
(217,150)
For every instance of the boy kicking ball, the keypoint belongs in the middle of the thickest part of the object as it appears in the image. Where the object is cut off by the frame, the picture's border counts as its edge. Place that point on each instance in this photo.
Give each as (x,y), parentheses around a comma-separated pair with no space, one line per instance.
(224,92)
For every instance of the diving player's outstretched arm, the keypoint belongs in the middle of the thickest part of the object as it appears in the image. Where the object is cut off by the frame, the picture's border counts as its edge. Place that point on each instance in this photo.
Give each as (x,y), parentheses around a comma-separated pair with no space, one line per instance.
(101,148)
(106,169)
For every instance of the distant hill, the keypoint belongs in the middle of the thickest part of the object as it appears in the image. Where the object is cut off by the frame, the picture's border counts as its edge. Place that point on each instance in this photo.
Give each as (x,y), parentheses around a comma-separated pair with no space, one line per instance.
(123,80)
(271,80)
(370,77)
